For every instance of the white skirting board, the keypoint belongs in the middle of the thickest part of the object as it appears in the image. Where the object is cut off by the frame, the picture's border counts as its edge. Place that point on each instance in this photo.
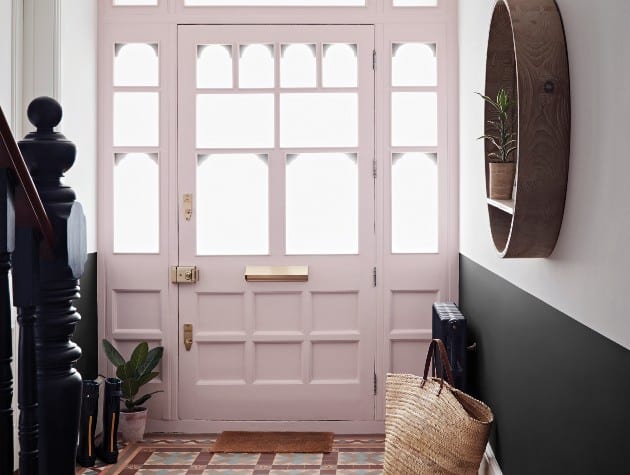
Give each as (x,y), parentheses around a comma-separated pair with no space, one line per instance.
(489,464)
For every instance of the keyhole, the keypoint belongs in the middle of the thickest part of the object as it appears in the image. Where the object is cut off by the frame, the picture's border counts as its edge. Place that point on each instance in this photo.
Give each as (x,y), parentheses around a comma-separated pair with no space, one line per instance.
(549,87)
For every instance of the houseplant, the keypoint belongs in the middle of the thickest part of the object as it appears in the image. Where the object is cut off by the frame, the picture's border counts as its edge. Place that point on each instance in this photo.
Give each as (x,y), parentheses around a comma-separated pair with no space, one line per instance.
(134,374)
(502,139)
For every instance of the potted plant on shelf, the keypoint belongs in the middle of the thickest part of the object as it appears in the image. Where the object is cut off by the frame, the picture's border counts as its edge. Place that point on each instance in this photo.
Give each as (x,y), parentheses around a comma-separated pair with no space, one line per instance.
(502,139)
(134,374)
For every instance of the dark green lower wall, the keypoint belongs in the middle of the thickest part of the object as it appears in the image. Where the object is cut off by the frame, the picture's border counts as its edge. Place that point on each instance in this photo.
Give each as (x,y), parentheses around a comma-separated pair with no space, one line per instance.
(86,332)
(560,391)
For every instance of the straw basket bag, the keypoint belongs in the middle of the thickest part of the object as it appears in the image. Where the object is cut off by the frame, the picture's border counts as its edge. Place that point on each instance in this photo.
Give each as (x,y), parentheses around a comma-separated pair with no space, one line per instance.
(431,427)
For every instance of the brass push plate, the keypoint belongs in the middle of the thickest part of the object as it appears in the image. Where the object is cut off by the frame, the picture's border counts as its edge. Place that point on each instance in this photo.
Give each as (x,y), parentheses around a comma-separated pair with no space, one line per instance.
(188,336)
(276,273)
(184,274)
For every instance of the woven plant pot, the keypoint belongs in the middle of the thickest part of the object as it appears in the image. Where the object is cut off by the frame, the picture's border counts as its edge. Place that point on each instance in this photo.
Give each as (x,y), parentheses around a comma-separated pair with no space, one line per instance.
(501,180)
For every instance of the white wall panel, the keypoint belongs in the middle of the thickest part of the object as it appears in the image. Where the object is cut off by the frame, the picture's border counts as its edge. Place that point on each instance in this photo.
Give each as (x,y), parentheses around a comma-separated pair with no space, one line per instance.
(586,276)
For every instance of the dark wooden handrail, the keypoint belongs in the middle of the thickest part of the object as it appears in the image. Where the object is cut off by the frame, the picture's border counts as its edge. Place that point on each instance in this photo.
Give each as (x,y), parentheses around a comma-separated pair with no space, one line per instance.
(11,157)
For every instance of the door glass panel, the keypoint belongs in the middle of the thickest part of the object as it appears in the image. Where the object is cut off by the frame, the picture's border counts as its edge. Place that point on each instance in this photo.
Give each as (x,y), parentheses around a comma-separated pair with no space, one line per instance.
(415,3)
(322,203)
(232,204)
(414,119)
(136,64)
(340,65)
(414,203)
(136,119)
(256,66)
(214,66)
(135,2)
(277,3)
(235,120)
(414,64)
(319,120)
(297,65)
(136,203)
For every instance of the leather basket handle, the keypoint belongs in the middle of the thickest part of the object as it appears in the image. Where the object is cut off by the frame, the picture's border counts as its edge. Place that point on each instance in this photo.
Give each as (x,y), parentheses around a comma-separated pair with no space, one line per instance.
(443,357)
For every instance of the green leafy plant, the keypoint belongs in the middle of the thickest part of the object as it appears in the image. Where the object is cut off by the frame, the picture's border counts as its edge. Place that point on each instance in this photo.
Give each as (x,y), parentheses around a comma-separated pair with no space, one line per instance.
(502,138)
(136,372)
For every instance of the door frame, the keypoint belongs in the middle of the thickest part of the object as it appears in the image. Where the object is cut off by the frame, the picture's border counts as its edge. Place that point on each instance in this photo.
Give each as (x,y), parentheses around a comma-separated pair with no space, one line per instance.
(162,22)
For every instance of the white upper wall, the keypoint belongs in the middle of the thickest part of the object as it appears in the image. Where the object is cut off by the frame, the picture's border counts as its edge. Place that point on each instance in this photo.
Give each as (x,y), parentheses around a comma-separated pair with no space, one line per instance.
(587,275)
(6,68)
(77,95)
(60,40)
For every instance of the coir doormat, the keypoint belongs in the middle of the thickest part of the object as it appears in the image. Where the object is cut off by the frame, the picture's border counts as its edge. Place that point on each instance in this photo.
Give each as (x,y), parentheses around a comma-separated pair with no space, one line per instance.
(273,442)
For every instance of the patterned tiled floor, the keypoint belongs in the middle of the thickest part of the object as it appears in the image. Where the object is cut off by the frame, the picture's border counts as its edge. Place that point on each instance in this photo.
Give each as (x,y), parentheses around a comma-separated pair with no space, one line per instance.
(183,455)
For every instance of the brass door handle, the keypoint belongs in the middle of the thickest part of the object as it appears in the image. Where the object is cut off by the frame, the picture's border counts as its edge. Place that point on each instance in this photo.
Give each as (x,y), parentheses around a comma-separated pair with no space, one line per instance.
(188,336)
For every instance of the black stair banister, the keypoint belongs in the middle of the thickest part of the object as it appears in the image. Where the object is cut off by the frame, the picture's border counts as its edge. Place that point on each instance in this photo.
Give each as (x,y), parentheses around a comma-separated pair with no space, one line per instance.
(28,204)
(7,240)
(48,155)
(16,187)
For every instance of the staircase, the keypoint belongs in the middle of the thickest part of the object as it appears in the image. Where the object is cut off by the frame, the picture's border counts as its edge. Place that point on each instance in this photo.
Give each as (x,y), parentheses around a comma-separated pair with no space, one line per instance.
(43,242)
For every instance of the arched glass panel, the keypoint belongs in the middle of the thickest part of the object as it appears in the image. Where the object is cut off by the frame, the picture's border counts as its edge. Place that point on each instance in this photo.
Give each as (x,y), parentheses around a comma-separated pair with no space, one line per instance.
(136,119)
(414,203)
(136,203)
(214,66)
(297,65)
(414,64)
(340,65)
(136,64)
(322,213)
(414,119)
(232,204)
(256,66)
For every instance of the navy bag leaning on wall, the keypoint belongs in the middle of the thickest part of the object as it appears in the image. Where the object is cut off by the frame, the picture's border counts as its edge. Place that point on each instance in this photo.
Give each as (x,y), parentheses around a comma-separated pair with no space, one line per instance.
(449,325)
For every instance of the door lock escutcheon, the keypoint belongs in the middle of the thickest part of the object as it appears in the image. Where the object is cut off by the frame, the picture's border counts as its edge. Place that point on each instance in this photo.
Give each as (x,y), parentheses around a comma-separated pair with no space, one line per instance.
(188,336)
(184,274)
(188,206)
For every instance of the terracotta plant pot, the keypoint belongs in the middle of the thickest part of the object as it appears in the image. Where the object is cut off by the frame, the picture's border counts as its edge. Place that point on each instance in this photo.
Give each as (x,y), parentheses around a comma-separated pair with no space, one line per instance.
(501,180)
(132,425)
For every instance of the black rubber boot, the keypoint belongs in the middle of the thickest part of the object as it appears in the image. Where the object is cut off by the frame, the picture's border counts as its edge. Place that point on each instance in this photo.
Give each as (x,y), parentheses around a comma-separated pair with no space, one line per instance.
(86,452)
(108,450)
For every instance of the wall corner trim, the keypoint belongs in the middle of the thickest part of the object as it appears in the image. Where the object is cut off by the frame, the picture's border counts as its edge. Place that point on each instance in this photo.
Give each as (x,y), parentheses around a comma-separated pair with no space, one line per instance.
(489,463)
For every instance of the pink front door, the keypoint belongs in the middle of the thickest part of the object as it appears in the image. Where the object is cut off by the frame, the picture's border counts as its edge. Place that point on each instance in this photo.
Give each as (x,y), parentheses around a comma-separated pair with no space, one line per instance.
(276,150)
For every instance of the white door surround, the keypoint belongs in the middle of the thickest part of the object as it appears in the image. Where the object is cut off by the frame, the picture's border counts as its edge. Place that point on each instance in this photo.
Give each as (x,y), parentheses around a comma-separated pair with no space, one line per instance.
(137,300)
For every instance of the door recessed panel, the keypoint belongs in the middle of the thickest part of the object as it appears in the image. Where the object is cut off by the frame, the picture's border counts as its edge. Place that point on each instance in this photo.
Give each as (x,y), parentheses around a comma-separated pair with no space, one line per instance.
(221,313)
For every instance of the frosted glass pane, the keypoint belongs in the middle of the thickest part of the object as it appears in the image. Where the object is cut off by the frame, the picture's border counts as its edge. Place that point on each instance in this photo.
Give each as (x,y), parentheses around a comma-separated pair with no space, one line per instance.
(414,119)
(414,203)
(136,203)
(135,2)
(256,66)
(235,121)
(322,204)
(136,64)
(287,3)
(136,119)
(414,64)
(214,66)
(340,65)
(415,3)
(232,204)
(297,65)
(319,120)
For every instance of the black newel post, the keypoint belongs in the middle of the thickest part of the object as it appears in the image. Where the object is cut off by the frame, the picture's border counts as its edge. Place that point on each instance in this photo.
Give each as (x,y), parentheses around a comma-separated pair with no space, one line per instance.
(7,229)
(48,155)
(25,294)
